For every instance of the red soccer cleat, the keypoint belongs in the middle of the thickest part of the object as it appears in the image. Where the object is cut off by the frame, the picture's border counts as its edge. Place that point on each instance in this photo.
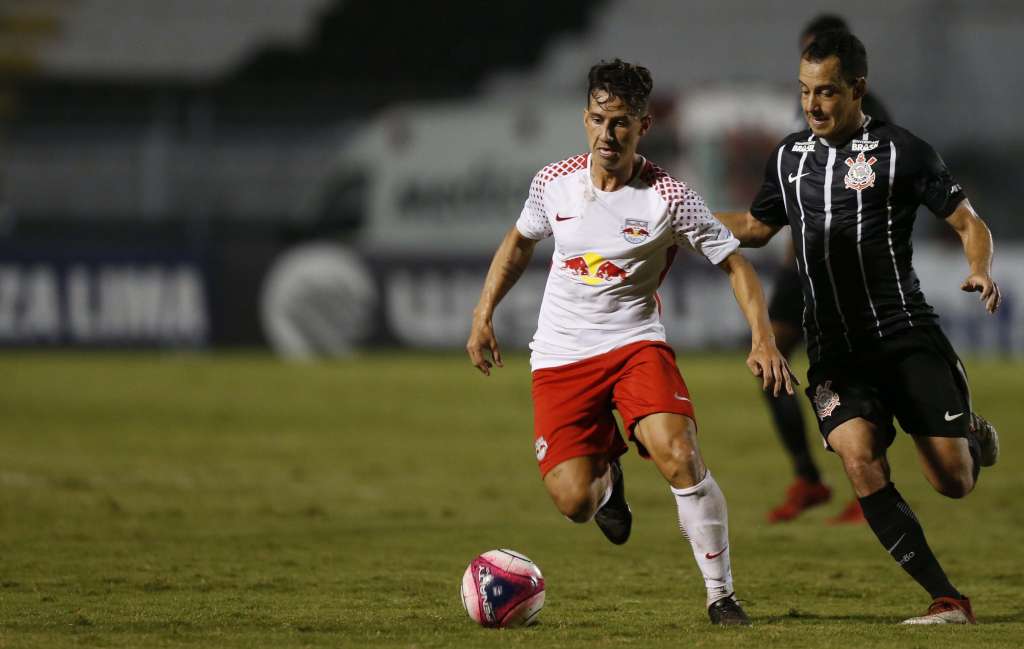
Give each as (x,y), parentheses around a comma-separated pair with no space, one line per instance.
(852,514)
(802,494)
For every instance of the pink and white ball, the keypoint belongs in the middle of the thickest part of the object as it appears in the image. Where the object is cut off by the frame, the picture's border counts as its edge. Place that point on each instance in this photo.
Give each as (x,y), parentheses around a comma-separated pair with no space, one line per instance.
(502,588)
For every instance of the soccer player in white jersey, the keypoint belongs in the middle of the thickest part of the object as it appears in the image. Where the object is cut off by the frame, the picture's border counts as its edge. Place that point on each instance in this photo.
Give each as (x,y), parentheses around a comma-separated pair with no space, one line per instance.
(617,220)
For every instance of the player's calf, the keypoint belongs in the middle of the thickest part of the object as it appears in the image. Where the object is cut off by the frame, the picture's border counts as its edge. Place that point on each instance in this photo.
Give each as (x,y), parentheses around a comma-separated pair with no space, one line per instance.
(950,464)
(954,486)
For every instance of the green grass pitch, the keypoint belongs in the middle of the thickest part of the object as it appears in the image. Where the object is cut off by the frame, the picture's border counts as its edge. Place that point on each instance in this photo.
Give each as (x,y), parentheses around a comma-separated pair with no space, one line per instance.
(234,501)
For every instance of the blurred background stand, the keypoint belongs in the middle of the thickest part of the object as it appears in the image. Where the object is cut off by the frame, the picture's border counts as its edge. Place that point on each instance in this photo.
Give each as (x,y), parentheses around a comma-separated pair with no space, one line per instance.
(158,160)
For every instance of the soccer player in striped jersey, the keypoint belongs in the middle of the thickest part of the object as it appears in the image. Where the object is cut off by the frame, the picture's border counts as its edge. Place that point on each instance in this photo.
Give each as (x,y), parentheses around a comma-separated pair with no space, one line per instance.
(785,308)
(849,187)
(786,311)
(617,220)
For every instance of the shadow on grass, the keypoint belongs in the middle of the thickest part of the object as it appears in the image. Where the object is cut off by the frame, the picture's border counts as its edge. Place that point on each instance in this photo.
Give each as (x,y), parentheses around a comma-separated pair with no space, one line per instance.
(794,616)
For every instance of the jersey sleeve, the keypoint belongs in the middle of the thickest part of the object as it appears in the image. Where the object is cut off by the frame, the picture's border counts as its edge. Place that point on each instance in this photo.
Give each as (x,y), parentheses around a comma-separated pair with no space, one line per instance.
(694,225)
(934,186)
(533,222)
(769,206)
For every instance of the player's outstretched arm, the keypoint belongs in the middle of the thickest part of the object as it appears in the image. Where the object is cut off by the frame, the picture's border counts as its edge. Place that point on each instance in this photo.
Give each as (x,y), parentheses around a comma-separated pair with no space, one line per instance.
(751,232)
(765,360)
(977,242)
(507,266)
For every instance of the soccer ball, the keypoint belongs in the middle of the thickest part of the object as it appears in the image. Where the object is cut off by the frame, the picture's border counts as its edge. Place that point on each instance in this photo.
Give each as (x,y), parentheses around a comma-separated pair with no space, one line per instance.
(502,588)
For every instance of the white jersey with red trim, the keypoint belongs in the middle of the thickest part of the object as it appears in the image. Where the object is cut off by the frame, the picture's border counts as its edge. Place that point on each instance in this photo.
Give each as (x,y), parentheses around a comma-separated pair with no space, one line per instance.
(612,250)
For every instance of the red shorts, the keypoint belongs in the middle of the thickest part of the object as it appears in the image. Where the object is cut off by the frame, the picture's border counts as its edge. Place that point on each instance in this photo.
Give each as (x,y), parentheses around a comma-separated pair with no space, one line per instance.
(572,404)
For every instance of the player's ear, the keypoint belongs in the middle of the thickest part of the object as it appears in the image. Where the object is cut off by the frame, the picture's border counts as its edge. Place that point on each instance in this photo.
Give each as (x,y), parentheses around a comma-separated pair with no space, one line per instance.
(860,88)
(645,123)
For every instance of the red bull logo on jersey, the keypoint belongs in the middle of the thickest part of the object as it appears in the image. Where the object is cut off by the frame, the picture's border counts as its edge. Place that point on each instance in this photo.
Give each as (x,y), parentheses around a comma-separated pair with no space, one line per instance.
(635,231)
(593,269)
(861,175)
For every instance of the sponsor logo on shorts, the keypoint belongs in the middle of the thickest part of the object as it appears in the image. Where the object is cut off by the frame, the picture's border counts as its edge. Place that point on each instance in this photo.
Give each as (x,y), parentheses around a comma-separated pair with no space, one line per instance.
(949,417)
(803,147)
(825,400)
(680,397)
(540,447)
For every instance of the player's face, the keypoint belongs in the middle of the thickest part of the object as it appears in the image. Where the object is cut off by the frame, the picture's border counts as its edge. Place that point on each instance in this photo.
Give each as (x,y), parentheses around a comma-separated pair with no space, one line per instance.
(613,132)
(831,106)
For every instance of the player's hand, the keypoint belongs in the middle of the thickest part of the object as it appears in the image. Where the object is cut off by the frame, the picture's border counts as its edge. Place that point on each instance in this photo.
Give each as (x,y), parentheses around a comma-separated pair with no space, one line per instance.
(481,342)
(767,362)
(984,284)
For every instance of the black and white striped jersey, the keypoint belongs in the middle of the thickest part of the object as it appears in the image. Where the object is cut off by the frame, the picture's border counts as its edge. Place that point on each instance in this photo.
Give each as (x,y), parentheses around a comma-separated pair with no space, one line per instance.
(851,207)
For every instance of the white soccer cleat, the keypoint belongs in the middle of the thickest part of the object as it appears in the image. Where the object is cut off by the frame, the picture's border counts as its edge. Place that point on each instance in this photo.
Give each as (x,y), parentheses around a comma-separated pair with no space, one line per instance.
(946,610)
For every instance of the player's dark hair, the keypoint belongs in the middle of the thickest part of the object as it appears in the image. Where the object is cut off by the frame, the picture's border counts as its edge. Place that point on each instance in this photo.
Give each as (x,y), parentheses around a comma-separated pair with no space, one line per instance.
(628,82)
(823,23)
(853,58)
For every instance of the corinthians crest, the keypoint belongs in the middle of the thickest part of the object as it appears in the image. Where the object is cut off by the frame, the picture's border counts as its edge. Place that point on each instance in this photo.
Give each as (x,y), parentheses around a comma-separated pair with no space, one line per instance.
(861,175)
(825,400)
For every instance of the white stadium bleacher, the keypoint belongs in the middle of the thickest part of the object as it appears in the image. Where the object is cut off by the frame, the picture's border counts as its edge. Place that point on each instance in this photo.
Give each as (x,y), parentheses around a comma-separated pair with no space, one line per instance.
(179,39)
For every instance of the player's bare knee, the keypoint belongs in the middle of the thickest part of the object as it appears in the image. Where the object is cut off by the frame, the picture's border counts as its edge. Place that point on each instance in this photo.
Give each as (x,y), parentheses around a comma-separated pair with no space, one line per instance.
(683,464)
(857,464)
(866,473)
(575,503)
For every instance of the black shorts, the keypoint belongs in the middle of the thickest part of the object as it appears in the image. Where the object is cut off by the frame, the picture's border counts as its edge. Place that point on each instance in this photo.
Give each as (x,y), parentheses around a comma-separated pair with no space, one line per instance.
(913,375)
(787,301)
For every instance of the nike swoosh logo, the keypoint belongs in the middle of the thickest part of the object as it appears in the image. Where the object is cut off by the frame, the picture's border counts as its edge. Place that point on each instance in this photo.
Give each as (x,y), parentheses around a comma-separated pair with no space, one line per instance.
(792,177)
(950,417)
(559,217)
(895,544)
(708,555)
(680,397)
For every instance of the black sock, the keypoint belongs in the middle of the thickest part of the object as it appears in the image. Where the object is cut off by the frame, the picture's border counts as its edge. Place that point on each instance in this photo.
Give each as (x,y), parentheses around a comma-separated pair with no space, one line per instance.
(897,528)
(789,422)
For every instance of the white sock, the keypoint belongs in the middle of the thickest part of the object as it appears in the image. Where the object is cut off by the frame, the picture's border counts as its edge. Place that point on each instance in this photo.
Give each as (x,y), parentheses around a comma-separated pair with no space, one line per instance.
(704,521)
(608,490)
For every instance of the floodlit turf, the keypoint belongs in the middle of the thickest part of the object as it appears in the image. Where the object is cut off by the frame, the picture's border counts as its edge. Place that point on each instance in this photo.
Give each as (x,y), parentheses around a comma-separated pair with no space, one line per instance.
(234,501)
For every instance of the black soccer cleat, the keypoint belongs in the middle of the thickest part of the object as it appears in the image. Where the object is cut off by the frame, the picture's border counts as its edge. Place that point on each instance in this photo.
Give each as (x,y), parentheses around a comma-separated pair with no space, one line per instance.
(615,519)
(728,612)
(988,439)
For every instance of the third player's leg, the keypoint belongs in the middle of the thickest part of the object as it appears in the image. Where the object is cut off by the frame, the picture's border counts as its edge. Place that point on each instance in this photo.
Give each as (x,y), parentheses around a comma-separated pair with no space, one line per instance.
(787,336)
